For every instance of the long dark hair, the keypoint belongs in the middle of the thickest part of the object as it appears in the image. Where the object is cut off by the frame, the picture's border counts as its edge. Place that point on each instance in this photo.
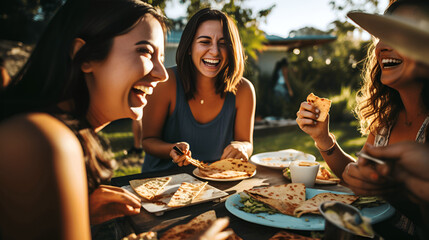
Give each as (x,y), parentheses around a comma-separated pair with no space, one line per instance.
(51,75)
(231,75)
(378,105)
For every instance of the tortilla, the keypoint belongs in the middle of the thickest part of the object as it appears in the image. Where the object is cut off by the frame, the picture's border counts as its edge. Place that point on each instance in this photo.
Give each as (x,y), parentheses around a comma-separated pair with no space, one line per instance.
(196,163)
(284,198)
(312,205)
(186,231)
(323,104)
(150,187)
(283,235)
(186,193)
(229,168)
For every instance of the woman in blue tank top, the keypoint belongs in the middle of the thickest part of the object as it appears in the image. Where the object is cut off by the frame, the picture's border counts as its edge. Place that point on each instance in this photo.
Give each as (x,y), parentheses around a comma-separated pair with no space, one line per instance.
(206,105)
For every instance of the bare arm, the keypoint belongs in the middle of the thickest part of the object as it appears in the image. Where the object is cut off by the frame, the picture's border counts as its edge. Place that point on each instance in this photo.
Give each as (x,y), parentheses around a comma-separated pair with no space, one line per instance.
(242,146)
(160,105)
(336,158)
(44,178)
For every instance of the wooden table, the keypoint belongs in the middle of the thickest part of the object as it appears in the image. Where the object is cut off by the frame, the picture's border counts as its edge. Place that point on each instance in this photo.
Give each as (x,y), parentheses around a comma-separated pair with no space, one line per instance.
(146,221)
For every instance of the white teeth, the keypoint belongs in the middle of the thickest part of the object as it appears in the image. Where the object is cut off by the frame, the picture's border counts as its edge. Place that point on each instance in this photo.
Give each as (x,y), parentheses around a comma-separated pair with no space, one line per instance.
(145,89)
(390,60)
(212,61)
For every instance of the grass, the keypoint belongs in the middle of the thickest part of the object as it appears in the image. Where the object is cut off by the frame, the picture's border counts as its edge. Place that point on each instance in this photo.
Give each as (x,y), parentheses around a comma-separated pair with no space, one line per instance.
(120,135)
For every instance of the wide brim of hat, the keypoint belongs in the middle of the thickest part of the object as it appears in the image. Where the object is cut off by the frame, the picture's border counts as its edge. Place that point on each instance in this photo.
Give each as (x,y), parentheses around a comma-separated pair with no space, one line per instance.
(408,38)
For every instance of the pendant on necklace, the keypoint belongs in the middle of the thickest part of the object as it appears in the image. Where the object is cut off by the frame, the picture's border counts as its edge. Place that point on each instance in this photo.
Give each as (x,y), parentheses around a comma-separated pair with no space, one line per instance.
(202,101)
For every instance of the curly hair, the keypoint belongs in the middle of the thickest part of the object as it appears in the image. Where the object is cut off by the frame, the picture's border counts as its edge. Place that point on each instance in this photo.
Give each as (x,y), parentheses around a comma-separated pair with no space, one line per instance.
(378,105)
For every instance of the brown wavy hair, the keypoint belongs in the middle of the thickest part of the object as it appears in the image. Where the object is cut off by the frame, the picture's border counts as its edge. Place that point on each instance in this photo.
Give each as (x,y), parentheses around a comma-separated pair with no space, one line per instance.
(231,74)
(378,105)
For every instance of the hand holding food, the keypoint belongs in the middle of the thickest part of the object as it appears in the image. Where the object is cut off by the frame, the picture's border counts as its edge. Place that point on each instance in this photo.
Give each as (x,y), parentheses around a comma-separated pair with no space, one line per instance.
(180,157)
(313,118)
(109,202)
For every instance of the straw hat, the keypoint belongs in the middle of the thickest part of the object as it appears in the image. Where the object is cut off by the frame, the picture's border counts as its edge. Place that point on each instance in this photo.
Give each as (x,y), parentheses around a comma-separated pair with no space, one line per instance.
(407,36)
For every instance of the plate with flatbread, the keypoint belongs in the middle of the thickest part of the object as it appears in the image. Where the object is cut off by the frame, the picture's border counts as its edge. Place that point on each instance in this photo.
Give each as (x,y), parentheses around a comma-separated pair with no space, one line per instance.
(226,170)
(280,159)
(172,192)
(307,220)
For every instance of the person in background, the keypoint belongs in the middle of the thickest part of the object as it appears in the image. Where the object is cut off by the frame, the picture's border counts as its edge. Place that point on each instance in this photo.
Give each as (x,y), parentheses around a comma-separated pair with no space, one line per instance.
(96,62)
(4,75)
(393,106)
(206,105)
(280,81)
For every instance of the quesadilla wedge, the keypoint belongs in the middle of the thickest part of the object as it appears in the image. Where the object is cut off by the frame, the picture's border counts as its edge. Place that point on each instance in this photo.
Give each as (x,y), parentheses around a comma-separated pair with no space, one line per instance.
(150,187)
(229,168)
(284,198)
(323,104)
(312,205)
(186,193)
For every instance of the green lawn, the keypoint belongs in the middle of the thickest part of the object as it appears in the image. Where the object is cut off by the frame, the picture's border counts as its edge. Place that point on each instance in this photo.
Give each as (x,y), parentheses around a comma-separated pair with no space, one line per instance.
(121,138)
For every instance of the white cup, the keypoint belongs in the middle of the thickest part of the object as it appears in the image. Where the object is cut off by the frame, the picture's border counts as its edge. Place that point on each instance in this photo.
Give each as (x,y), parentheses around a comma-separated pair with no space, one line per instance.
(304,171)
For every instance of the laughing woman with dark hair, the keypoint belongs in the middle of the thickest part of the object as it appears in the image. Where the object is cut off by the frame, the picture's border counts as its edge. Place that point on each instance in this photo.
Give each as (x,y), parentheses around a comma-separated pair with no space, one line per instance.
(95,63)
(206,105)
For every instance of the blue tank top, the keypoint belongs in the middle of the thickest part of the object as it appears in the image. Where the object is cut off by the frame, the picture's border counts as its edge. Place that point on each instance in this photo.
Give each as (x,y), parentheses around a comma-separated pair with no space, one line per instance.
(207,141)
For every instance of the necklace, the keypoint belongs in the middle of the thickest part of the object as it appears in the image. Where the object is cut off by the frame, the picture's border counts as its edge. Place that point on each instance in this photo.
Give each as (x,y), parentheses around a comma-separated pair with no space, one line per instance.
(202,101)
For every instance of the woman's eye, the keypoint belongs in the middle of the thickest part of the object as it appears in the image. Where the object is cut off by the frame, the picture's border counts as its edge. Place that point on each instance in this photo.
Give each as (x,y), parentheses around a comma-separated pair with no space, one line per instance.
(145,51)
(205,42)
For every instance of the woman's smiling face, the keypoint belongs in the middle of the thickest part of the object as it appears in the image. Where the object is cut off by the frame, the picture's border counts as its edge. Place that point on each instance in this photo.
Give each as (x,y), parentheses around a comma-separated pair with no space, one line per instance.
(118,85)
(208,50)
(398,70)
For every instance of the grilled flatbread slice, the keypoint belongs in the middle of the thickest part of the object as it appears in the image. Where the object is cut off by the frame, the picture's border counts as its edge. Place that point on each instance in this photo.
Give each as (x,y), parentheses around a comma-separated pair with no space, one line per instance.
(285,198)
(150,187)
(283,235)
(196,163)
(186,193)
(312,205)
(229,168)
(323,104)
(193,227)
(186,231)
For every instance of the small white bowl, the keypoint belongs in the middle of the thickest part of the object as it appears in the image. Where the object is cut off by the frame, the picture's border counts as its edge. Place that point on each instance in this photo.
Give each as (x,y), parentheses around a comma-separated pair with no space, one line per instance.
(304,171)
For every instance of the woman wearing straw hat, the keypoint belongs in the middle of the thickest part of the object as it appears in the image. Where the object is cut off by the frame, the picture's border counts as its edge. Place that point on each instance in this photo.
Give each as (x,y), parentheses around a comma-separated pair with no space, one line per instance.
(393,106)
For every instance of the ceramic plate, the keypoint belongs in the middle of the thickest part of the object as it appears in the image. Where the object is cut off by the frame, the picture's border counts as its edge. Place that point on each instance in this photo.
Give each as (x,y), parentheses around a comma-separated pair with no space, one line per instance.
(280,159)
(305,222)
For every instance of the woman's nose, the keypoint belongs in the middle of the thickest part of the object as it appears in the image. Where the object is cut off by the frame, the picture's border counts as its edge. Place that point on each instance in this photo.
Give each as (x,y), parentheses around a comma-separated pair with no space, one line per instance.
(159,73)
(381,46)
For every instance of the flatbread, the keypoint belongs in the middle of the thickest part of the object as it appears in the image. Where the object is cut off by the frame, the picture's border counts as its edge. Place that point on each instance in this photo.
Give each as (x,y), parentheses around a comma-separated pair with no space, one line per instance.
(150,187)
(186,231)
(193,227)
(196,163)
(229,168)
(312,205)
(186,193)
(323,104)
(283,235)
(142,236)
(284,198)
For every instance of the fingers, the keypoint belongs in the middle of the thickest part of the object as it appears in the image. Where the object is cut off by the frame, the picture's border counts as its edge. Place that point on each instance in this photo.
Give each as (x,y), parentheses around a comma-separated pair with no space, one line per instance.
(117,195)
(363,181)
(215,230)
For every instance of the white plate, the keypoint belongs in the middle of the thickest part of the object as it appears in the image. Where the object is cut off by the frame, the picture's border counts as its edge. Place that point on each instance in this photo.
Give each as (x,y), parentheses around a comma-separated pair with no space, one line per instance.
(160,205)
(280,159)
(306,222)
(197,173)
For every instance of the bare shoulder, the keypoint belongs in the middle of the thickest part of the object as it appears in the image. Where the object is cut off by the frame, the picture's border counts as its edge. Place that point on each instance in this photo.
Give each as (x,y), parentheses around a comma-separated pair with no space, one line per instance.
(41,164)
(245,90)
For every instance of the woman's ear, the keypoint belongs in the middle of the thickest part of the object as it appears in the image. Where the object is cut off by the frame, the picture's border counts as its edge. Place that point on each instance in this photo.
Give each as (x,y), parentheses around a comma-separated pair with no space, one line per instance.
(77,44)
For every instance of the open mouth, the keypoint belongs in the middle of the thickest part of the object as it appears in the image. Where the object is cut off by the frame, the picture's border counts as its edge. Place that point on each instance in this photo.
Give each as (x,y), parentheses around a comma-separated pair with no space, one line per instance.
(211,62)
(390,62)
(142,90)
